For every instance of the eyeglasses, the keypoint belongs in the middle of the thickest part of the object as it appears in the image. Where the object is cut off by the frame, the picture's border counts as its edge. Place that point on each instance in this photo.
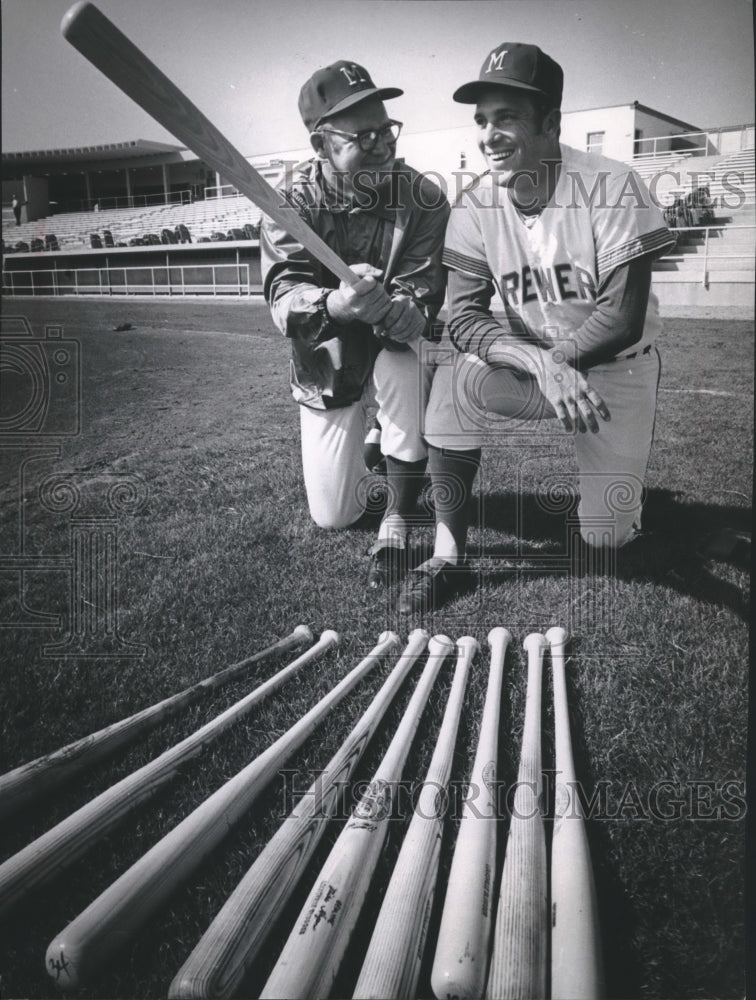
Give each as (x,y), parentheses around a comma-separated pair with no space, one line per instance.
(368,139)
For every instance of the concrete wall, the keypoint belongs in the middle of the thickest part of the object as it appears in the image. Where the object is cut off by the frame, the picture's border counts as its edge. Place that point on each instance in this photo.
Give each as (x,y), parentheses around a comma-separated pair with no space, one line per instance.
(617,124)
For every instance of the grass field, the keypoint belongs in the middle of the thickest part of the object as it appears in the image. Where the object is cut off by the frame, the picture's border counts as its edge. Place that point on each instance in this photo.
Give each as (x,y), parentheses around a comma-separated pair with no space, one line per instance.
(187,446)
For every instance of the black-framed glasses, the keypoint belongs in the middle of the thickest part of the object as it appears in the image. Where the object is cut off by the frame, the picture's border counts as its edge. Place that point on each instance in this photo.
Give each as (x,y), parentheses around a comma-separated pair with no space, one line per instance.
(368,139)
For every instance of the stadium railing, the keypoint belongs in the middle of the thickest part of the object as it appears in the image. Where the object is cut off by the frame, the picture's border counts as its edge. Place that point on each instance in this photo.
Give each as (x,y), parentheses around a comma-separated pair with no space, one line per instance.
(727,139)
(699,258)
(174,279)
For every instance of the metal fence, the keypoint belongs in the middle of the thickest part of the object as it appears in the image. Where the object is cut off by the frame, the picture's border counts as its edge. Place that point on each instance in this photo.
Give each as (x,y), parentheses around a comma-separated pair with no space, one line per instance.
(173,279)
(706,262)
(728,139)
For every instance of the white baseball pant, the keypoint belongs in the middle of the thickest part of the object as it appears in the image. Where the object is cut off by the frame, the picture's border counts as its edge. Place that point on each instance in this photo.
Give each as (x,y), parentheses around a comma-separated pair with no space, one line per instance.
(467,394)
(333,440)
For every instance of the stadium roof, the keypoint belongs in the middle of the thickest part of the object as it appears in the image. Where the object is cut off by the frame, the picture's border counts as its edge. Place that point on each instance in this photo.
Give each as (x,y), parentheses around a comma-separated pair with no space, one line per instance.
(82,154)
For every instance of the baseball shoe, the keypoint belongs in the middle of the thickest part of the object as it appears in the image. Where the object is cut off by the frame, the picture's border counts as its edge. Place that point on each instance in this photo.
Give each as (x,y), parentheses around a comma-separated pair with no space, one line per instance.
(430,585)
(388,563)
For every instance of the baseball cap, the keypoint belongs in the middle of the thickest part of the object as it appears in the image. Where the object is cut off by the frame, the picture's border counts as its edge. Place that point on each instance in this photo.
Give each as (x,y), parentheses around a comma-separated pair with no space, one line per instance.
(515,64)
(336,88)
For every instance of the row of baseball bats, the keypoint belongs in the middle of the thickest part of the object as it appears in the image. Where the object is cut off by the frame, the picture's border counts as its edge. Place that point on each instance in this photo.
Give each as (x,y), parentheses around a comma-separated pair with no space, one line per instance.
(477,953)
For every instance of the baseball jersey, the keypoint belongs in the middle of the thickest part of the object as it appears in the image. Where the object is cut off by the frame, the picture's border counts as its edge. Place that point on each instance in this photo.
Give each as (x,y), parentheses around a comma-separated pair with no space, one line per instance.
(547,268)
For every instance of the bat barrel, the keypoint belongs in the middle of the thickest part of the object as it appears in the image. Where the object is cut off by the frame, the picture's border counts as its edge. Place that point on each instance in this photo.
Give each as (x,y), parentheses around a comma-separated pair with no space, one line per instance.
(461,957)
(89,940)
(391,966)
(217,965)
(393,960)
(576,959)
(519,955)
(107,48)
(60,846)
(30,781)
(320,936)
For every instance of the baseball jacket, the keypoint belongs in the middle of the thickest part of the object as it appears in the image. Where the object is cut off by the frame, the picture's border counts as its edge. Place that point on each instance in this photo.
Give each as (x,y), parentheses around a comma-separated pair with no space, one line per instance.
(398,228)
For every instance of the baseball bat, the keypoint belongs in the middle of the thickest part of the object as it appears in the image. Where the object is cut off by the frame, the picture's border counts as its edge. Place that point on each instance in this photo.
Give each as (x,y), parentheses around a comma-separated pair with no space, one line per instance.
(76,954)
(519,957)
(219,962)
(107,48)
(30,781)
(312,954)
(391,966)
(576,960)
(461,958)
(68,840)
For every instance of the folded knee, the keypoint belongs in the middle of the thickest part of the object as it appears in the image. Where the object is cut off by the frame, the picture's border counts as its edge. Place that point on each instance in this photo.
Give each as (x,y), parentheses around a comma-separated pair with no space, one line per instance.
(334,520)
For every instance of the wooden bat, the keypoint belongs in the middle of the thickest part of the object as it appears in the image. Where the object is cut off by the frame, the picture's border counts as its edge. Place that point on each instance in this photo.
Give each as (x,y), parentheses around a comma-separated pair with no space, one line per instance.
(519,959)
(76,954)
(30,781)
(68,840)
(391,966)
(576,961)
(222,957)
(107,48)
(461,959)
(320,936)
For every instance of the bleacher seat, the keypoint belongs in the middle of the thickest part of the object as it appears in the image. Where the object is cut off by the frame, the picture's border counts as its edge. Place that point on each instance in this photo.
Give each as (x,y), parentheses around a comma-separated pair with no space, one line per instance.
(108,238)
(94,241)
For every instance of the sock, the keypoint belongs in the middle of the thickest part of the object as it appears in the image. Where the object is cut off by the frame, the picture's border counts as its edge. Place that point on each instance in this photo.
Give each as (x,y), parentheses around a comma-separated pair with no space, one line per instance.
(404,480)
(452,477)
(372,453)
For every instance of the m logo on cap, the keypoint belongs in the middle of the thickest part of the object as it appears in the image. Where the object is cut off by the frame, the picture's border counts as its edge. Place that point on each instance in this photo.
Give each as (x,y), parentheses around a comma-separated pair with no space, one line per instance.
(353,74)
(495,61)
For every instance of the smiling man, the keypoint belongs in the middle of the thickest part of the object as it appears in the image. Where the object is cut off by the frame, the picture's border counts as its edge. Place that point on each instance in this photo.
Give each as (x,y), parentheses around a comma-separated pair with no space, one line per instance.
(566,240)
(354,347)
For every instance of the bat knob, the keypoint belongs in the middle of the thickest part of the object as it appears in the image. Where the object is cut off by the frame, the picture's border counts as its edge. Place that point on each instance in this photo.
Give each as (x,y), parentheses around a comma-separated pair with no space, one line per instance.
(440,645)
(303,632)
(330,637)
(418,633)
(389,636)
(557,636)
(534,642)
(499,634)
(468,644)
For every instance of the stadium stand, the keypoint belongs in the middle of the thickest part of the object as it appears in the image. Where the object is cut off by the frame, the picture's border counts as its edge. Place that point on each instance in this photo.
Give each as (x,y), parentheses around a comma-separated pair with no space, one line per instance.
(207,246)
(193,221)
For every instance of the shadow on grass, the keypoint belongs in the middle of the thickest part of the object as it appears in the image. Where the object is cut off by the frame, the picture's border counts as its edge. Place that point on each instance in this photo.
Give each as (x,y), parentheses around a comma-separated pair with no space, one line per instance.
(679,548)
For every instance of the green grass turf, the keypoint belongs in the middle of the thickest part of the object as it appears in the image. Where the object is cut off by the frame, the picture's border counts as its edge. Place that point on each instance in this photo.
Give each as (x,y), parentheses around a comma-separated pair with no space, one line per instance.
(218,558)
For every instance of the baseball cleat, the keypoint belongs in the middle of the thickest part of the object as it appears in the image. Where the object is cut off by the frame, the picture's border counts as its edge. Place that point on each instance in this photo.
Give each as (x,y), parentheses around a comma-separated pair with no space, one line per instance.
(387,564)
(430,585)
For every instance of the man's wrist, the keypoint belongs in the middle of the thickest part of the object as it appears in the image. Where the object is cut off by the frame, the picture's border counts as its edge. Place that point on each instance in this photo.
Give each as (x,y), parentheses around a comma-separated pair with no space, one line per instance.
(510,352)
(322,306)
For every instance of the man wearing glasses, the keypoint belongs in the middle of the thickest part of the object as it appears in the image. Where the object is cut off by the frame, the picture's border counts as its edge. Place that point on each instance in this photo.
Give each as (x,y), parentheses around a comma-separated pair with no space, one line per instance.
(352,346)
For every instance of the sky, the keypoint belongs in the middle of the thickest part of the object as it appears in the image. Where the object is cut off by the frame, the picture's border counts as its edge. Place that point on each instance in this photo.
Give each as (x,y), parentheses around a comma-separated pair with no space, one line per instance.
(242,62)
